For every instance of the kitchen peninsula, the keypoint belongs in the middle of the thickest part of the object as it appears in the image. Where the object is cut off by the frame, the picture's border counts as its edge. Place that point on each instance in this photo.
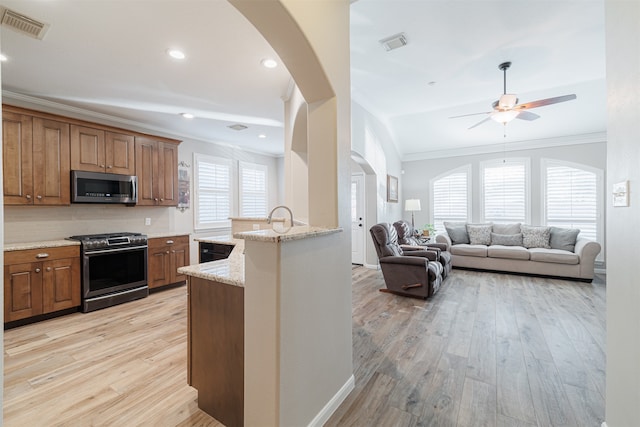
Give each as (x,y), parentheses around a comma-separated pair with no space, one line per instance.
(252,320)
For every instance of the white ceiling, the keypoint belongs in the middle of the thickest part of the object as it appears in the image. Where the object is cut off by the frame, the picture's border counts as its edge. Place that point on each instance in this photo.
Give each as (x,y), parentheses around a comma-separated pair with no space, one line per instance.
(110,57)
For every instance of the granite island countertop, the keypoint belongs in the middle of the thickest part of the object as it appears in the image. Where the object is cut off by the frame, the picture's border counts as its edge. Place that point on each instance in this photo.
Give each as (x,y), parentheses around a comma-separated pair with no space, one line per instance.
(229,271)
(288,233)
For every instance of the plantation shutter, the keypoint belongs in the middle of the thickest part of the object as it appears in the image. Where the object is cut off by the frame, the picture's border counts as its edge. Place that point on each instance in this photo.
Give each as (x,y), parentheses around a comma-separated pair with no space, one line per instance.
(213,191)
(572,199)
(450,199)
(253,190)
(504,192)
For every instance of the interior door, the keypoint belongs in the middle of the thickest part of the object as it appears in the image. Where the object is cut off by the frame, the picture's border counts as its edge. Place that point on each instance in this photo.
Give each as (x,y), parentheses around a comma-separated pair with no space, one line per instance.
(357,219)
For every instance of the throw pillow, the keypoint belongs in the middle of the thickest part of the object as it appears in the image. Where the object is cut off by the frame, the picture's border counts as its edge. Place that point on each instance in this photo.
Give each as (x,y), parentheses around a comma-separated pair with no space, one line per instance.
(506,228)
(457,232)
(563,238)
(535,237)
(506,239)
(479,234)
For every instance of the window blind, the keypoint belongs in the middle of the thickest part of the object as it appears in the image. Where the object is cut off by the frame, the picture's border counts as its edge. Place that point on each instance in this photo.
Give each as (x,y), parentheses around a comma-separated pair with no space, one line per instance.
(572,199)
(253,190)
(212,190)
(504,193)
(450,199)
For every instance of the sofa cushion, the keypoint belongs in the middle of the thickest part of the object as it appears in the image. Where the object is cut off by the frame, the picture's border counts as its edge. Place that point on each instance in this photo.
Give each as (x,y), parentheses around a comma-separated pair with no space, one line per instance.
(457,232)
(511,252)
(535,237)
(557,256)
(469,250)
(563,238)
(506,239)
(506,228)
(479,234)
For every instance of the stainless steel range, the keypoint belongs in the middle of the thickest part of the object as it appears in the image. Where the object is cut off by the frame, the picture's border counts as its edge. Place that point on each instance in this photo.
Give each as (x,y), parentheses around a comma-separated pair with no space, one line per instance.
(114,269)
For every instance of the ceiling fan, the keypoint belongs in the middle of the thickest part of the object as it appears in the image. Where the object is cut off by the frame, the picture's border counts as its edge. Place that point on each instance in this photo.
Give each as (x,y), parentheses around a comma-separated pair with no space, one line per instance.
(507,108)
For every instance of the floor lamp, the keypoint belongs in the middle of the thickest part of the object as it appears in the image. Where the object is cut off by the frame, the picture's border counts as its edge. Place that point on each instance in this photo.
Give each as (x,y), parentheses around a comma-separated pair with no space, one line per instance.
(412,205)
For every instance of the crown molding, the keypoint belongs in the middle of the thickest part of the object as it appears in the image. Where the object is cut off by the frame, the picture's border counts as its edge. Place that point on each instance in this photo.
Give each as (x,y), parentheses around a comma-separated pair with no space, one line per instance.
(589,138)
(52,107)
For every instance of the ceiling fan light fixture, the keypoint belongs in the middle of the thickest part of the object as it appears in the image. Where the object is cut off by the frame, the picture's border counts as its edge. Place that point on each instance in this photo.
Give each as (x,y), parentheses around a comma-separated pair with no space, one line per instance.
(507,101)
(504,117)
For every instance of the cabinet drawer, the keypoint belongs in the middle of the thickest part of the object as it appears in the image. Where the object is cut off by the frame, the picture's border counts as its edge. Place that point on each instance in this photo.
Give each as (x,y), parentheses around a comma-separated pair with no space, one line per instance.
(158,242)
(42,254)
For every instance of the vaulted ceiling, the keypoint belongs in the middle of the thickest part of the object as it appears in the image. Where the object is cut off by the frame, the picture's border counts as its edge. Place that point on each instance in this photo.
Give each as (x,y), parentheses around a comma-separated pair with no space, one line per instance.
(110,57)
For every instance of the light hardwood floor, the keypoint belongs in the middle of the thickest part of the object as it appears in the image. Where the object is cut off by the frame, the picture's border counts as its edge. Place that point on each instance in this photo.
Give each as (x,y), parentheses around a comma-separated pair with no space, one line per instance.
(487,349)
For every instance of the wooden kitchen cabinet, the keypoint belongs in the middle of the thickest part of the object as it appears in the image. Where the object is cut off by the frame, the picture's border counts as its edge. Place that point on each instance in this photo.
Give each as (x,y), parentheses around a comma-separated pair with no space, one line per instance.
(36,165)
(166,255)
(157,171)
(98,150)
(40,281)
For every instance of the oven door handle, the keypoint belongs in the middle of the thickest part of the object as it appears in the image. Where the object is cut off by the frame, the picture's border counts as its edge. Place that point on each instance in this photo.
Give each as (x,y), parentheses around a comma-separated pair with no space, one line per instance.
(113,251)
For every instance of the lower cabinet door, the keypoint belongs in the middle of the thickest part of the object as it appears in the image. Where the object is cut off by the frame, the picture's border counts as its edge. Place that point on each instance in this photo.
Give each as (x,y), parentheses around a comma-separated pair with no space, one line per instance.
(61,284)
(22,290)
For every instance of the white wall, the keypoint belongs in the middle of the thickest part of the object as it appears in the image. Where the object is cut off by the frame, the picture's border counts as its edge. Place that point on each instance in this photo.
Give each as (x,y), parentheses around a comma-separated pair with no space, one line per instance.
(418,173)
(372,144)
(623,223)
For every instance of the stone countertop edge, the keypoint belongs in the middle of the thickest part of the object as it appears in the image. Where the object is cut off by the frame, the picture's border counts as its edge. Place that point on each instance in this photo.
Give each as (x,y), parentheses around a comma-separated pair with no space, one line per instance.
(165,234)
(39,245)
(295,233)
(223,240)
(229,271)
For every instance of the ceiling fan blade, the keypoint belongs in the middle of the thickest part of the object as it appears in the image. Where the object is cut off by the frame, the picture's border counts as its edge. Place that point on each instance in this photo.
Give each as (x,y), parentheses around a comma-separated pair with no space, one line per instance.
(472,114)
(527,115)
(543,102)
(480,122)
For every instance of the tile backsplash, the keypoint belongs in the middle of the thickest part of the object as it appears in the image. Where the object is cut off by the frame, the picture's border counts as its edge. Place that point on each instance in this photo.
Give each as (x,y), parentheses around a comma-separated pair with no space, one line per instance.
(36,223)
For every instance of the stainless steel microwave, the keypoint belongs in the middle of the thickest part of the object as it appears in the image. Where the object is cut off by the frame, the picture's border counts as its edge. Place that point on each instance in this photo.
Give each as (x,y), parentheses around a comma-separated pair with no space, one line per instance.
(96,187)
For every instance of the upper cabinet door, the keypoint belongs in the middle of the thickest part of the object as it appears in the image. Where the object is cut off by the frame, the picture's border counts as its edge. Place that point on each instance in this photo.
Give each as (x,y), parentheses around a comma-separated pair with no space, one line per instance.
(169,175)
(87,149)
(17,159)
(147,171)
(120,153)
(51,171)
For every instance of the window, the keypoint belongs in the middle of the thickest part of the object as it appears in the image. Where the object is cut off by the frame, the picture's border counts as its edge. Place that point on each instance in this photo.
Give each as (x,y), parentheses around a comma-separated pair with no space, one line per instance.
(504,189)
(571,198)
(212,191)
(450,198)
(253,190)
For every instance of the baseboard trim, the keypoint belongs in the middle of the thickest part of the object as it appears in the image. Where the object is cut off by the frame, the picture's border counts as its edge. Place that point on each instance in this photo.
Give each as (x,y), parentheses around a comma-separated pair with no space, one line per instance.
(333,404)
(372,266)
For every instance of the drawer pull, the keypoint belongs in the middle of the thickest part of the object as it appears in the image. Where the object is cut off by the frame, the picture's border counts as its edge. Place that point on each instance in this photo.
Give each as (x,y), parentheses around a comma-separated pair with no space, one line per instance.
(48,268)
(169,242)
(42,255)
(37,270)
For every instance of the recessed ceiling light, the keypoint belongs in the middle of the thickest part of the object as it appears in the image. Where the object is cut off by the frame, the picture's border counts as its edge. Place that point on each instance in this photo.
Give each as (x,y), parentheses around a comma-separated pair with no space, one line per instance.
(187,115)
(269,63)
(262,136)
(3,57)
(431,83)
(175,53)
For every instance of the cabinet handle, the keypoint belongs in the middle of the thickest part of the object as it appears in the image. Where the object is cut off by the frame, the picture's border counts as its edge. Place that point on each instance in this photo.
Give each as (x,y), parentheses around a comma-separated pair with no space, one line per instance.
(167,251)
(28,196)
(39,197)
(109,167)
(156,199)
(169,242)
(42,255)
(48,268)
(162,200)
(37,270)
(102,166)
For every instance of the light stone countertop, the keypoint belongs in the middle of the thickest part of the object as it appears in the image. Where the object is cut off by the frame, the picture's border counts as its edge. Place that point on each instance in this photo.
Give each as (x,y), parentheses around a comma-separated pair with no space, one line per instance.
(165,234)
(292,233)
(225,239)
(21,246)
(229,271)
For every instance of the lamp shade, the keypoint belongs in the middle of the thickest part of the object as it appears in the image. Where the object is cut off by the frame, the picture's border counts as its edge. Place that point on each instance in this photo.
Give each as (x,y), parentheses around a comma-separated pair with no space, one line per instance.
(412,205)
(504,116)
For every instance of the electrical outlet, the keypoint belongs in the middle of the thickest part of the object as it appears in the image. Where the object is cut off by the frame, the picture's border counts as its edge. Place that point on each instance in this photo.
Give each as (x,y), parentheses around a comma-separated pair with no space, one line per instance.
(147,221)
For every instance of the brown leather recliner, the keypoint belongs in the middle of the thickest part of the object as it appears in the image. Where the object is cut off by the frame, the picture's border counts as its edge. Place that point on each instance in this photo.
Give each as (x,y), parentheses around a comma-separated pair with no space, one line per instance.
(408,242)
(415,273)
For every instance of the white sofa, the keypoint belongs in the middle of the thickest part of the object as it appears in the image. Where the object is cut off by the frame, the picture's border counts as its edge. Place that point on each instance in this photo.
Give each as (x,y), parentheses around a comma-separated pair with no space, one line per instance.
(576,265)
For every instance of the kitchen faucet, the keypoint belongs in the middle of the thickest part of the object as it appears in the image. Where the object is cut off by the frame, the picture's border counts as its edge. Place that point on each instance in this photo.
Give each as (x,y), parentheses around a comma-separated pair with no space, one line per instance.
(277,207)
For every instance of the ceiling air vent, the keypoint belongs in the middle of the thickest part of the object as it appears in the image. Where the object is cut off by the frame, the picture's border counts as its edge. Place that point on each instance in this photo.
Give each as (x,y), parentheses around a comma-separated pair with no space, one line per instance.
(23,24)
(395,41)
(238,127)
